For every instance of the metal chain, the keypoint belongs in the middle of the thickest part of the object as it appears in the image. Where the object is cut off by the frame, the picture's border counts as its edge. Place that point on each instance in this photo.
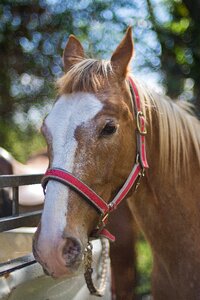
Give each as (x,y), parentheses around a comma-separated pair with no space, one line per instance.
(102,277)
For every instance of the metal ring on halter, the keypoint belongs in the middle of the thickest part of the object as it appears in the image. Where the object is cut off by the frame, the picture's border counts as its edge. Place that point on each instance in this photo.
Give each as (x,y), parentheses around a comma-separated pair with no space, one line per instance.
(142,131)
(102,278)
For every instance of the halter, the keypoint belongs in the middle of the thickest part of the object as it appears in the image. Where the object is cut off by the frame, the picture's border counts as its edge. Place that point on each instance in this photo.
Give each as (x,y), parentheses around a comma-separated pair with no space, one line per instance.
(137,172)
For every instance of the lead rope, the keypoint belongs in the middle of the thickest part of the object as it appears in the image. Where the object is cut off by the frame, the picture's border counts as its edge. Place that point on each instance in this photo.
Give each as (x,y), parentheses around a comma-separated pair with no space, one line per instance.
(102,277)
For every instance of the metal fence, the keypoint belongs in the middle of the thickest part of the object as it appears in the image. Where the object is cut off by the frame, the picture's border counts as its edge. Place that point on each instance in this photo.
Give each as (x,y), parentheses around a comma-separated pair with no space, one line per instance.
(29,219)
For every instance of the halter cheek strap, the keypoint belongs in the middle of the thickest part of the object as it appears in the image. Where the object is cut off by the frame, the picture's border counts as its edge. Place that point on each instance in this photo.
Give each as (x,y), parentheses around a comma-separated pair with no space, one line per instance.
(87,193)
(141,125)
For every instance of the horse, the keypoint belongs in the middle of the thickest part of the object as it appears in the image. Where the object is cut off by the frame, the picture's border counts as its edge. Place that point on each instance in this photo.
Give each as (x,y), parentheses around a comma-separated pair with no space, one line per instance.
(103,125)
(30,198)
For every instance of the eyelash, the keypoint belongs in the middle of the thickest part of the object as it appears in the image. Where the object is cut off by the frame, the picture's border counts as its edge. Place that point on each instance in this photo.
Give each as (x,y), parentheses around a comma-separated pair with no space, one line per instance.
(109,129)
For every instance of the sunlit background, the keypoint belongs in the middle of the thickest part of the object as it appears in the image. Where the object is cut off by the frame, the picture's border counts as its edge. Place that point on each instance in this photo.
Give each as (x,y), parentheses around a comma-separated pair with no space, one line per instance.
(34,33)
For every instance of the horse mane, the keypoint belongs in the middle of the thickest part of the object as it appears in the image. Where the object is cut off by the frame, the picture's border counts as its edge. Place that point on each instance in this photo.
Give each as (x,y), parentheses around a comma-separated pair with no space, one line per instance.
(179,131)
(178,127)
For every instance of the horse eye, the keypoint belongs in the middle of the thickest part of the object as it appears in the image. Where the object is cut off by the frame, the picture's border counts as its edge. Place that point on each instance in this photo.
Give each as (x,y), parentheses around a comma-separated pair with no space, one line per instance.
(109,129)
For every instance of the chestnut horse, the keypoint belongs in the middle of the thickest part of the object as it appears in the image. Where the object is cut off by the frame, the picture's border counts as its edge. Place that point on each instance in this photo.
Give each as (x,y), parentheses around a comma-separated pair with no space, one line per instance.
(91,133)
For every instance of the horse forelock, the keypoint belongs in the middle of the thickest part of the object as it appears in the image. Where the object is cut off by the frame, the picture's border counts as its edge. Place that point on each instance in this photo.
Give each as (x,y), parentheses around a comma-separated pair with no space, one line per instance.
(88,75)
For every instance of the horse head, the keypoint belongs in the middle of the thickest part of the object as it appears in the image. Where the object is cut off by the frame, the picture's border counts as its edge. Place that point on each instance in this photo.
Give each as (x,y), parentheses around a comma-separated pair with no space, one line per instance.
(89,133)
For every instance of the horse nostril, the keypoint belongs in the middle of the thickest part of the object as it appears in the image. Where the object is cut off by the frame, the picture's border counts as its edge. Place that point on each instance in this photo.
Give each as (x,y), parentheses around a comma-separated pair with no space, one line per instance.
(71,251)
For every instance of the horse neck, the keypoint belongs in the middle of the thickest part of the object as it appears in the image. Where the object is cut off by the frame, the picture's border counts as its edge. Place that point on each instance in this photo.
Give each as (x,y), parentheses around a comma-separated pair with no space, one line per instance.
(165,205)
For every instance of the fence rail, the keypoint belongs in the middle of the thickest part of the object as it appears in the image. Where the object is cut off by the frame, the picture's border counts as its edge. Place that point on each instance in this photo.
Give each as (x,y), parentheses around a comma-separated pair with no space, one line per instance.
(19,180)
(30,219)
(26,219)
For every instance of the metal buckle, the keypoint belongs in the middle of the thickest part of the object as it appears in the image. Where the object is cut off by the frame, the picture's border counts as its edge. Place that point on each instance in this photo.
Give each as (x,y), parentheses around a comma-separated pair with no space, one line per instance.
(140,114)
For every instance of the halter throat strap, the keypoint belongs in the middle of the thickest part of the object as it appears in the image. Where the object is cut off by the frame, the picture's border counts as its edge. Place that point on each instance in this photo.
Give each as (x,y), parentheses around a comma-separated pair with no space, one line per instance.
(87,193)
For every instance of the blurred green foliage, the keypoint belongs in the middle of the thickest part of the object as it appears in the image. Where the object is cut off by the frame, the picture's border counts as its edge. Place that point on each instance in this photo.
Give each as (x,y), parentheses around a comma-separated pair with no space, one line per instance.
(23,143)
(144,266)
(33,35)
(179,36)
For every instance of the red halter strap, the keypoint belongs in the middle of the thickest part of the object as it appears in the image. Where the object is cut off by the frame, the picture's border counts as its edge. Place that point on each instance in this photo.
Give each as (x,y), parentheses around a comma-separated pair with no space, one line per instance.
(141,126)
(137,172)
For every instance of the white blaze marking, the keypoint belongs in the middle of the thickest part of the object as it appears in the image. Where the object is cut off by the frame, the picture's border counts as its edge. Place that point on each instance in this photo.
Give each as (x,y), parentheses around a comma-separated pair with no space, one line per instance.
(69,112)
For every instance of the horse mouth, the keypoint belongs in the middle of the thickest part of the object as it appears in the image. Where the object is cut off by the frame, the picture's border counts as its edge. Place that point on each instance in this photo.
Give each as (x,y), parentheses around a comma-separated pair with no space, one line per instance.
(46,272)
(70,264)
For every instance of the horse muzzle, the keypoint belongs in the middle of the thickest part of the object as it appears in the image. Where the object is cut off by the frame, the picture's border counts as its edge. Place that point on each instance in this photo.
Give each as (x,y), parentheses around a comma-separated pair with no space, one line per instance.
(59,258)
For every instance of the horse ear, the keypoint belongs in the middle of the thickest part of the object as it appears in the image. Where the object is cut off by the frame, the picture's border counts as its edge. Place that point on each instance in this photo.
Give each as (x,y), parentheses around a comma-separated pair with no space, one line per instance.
(123,53)
(73,52)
